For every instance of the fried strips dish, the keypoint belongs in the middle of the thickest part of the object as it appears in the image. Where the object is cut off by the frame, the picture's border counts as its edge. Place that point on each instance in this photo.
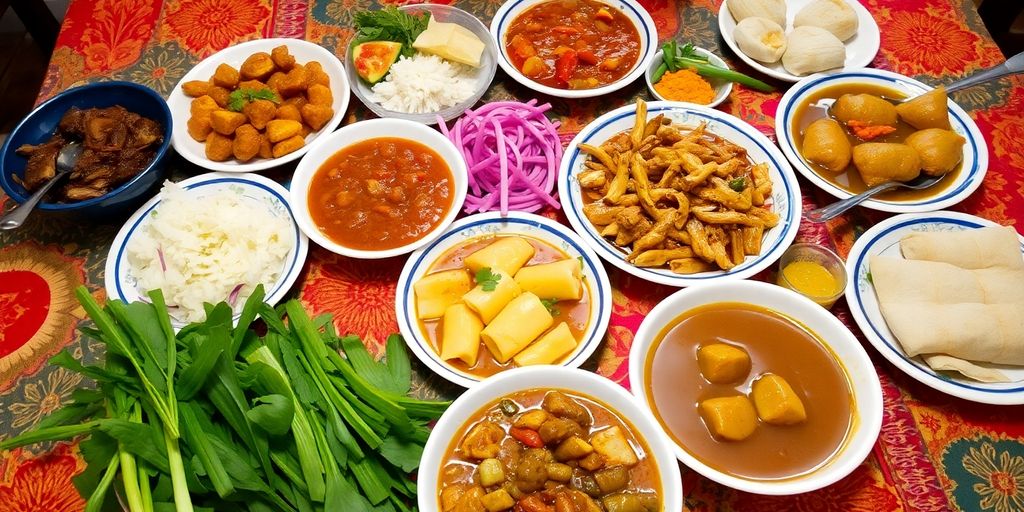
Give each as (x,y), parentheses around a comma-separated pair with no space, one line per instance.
(676,197)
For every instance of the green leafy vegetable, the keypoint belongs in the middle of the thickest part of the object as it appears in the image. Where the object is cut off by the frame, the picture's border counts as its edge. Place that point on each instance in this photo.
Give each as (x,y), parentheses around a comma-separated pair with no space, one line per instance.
(240,97)
(738,184)
(549,304)
(487,279)
(390,24)
(675,57)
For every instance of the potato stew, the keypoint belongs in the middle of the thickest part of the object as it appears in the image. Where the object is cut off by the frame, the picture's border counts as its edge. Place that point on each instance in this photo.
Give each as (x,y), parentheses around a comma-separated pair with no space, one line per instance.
(545,450)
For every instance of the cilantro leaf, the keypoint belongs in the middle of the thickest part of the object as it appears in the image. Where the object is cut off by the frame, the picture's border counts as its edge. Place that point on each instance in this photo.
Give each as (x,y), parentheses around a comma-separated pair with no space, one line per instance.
(239,98)
(549,304)
(487,280)
(738,184)
(390,24)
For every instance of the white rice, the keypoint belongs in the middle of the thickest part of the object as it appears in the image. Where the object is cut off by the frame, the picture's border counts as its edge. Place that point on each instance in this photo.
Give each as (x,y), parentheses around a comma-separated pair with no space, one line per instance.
(209,246)
(424,83)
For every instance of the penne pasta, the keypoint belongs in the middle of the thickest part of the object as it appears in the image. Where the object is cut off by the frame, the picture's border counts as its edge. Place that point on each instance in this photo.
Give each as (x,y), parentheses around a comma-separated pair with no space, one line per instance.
(437,291)
(460,334)
(549,349)
(558,280)
(487,304)
(507,254)
(521,322)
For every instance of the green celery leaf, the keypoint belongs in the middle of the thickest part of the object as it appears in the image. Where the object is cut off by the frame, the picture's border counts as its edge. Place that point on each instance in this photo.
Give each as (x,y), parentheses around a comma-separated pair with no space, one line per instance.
(97,451)
(376,374)
(249,312)
(140,439)
(398,364)
(200,445)
(273,413)
(403,454)
(208,350)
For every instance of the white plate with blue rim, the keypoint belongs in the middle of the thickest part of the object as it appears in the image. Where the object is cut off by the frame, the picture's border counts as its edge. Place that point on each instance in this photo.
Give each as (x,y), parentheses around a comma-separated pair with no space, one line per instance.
(645,27)
(975,152)
(785,197)
(489,225)
(884,239)
(120,279)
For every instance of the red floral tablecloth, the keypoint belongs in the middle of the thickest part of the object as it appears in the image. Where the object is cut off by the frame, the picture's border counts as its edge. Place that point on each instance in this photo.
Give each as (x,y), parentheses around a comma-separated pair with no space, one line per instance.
(935,453)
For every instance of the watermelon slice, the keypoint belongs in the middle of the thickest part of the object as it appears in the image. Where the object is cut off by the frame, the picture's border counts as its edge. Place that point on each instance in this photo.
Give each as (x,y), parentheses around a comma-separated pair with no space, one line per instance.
(373,59)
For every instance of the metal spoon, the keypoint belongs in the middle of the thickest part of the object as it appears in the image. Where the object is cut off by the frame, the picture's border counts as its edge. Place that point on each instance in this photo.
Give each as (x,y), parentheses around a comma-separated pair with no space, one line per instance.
(65,164)
(839,207)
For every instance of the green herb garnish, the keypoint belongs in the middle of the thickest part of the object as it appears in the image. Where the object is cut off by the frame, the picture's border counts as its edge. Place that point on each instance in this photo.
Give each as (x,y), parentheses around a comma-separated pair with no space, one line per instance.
(390,24)
(870,280)
(675,57)
(239,98)
(549,304)
(487,280)
(580,258)
(738,184)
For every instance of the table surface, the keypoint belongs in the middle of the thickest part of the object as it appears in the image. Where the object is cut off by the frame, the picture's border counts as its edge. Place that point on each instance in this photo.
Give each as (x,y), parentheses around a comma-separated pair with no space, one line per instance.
(935,452)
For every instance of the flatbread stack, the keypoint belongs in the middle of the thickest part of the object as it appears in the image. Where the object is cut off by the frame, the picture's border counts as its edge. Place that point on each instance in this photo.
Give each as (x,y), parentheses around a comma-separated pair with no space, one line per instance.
(956,299)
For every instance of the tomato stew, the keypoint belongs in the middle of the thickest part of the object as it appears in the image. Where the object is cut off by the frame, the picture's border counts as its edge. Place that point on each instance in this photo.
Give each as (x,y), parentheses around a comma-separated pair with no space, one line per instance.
(380,193)
(573,44)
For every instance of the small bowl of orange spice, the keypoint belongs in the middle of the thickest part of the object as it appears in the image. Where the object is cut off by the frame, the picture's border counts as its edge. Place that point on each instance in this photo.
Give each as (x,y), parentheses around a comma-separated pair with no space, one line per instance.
(814,272)
(685,83)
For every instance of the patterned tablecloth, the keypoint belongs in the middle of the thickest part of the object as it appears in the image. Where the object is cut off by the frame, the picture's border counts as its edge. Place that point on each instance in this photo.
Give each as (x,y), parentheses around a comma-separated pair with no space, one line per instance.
(934,453)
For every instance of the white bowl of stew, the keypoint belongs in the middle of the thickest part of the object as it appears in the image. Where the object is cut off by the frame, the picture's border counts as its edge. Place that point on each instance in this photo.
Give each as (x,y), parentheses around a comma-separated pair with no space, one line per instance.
(642,475)
(378,188)
(785,334)
(574,48)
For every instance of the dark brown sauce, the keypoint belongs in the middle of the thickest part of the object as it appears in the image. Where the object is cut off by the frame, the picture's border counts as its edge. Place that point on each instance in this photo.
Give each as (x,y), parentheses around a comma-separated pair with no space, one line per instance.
(576,314)
(776,344)
(849,179)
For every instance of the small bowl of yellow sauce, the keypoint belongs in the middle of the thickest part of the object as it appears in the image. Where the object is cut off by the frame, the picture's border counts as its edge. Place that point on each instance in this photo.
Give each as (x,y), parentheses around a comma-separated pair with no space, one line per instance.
(814,272)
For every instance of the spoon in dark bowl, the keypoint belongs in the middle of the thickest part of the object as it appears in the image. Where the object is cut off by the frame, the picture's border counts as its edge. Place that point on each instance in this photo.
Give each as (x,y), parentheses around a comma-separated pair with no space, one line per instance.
(839,207)
(66,159)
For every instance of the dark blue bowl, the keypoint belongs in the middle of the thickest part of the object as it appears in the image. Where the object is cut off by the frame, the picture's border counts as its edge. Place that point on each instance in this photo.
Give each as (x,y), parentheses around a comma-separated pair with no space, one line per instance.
(42,122)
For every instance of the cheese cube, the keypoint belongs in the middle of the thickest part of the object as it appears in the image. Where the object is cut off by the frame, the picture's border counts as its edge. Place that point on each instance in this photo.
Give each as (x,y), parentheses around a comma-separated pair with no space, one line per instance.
(722,364)
(730,418)
(450,41)
(776,401)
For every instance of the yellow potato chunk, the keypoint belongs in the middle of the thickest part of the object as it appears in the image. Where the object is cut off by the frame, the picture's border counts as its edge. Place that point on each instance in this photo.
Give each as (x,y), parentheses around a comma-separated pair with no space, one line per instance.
(294,82)
(288,145)
(199,127)
(274,82)
(266,149)
(730,418)
(195,88)
(255,85)
(219,94)
(258,65)
(437,291)
(320,95)
(316,116)
(281,129)
(226,122)
(219,148)
(282,58)
(260,112)
(247,143)
(315,74)
(776,401)
(225,76)
(288,111)
(722,364)
(203,104)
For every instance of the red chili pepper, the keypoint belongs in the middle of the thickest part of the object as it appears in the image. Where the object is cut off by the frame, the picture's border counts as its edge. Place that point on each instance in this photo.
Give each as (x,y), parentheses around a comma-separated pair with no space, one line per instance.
(566,65)
(526,436)
(587,57)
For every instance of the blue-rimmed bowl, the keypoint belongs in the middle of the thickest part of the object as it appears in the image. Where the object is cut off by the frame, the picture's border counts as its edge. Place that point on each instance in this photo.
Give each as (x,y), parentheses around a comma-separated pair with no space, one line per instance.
(975,151)
(489,225)
(120,280)
(636,13)
(884,239)
(785,197)
(42,122)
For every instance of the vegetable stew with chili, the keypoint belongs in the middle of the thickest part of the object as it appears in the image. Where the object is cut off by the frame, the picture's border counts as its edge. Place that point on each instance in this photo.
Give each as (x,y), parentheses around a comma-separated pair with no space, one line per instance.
(545,450)
(573,44)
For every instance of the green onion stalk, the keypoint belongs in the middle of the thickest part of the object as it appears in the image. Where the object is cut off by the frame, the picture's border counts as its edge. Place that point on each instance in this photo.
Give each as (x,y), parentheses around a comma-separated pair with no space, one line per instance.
(675,57)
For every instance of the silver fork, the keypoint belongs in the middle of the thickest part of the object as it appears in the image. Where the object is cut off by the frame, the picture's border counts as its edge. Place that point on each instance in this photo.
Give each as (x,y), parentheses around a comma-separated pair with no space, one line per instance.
(66,159)
(839,207)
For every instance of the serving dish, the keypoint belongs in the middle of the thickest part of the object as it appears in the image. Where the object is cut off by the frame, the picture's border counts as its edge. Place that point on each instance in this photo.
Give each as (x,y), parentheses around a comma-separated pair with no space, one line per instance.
(40,124)
(122,284)
(303,51)
(860,49)
(883,239)
(490,224)
(974,165)
(722,87)
(636,13)
(484,74)
(785,196)
(546,377)
(837,338)
(324,148)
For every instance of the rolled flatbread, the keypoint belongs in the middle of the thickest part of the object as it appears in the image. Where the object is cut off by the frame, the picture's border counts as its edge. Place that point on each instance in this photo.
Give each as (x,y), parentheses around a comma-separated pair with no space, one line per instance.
(989,247)
(975,371)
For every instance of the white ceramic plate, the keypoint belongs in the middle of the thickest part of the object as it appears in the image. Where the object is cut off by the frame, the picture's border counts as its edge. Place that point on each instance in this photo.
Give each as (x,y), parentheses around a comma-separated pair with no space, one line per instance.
(303,51)
(860,49)
(363,130)
(837,337)
(975,151)
(722,87)
(884,238)
(490,224)
(257,190)
(785,197)
(594,386)
(484,73)
(645,27)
